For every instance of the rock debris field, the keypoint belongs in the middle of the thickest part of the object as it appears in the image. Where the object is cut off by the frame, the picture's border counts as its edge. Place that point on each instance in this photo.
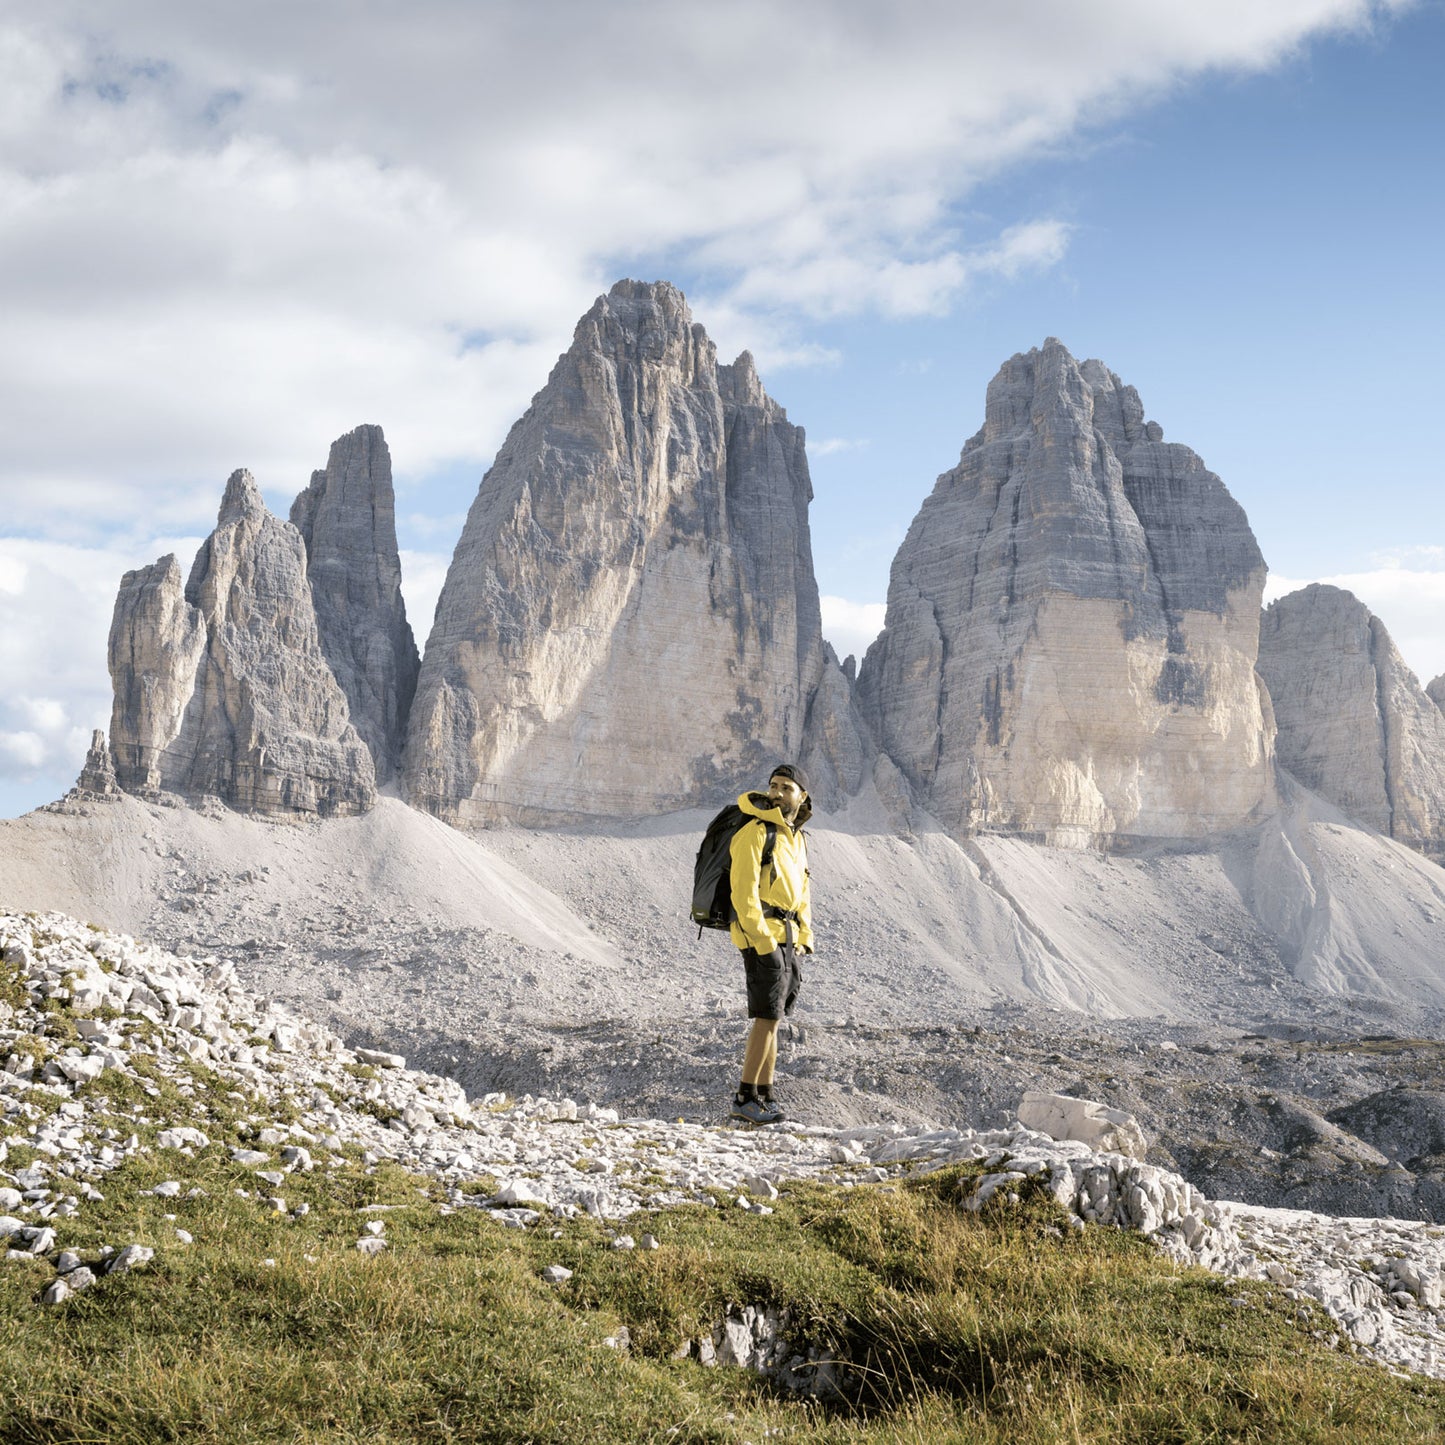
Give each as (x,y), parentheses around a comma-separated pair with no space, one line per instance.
(86,1006)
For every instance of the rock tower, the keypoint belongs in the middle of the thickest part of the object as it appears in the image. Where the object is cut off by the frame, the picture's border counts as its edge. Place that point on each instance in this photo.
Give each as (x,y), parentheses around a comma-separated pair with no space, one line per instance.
(1072,626)
(347,519)
(1355,725)
(630,622)
(221,687)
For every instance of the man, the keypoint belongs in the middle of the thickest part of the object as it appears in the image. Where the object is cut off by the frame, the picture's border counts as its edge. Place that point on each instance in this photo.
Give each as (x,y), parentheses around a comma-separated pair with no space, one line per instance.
(772,926)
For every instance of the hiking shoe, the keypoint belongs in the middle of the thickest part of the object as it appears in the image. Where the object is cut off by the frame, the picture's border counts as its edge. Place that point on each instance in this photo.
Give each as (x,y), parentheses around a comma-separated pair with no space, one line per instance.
(754,1111)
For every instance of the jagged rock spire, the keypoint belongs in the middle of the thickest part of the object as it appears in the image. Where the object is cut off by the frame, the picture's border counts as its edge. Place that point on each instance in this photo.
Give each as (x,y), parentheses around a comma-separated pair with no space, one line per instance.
(222,688)
(347,518)
(97,773)
(630,622)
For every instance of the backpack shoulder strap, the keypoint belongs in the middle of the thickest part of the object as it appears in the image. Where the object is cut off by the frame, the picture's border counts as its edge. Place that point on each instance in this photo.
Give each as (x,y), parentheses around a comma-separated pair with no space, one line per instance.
(770,843)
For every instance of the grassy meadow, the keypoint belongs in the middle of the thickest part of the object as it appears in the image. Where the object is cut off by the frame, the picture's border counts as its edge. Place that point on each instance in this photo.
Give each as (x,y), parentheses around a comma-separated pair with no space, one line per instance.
(1003,1326)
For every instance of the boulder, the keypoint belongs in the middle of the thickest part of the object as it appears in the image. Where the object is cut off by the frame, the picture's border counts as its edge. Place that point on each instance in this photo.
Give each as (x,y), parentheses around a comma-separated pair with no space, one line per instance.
(630,623)
(1062,1117)
(222,689)
(347,519)
(1072,625)
(1355,726)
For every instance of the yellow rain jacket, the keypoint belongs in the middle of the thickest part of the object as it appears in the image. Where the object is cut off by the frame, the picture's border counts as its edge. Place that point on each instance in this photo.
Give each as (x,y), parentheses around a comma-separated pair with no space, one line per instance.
(785,884)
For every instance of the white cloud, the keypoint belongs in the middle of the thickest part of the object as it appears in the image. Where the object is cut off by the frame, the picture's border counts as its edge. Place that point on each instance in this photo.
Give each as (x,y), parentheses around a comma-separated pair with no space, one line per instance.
(422,575)
(44,713)
(1409,601)
(230,233)
(851,626)
(831,446)
(23,751)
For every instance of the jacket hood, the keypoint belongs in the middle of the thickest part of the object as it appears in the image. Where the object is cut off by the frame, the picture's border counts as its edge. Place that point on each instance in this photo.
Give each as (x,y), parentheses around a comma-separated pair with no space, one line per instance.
(758,805)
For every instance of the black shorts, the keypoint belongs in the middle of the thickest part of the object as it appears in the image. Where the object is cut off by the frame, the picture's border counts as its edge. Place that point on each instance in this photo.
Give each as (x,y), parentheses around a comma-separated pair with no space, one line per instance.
(773,981)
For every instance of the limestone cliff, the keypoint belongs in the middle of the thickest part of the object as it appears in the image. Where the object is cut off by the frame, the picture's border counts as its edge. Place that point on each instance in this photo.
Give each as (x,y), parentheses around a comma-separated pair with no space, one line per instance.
(1072,625)
(630,621)
(1355,725)
(222,688)
(1435,689)
(157,640)
(347,518)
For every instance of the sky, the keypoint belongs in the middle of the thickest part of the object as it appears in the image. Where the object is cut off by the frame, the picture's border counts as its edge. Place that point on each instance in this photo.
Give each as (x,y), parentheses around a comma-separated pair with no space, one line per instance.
(228,234)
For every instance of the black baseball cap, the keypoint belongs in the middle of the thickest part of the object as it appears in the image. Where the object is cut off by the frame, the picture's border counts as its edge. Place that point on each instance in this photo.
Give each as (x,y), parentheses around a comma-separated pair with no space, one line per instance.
(790,770)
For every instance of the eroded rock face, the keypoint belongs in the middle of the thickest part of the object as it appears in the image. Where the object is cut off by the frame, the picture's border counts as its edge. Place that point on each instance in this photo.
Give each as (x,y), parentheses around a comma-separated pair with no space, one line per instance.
(1072,625)
(630,622)
(97,773)
(1435,690)
(157,640)
(222,688)
(1355,725)
(347,518)
(836,753)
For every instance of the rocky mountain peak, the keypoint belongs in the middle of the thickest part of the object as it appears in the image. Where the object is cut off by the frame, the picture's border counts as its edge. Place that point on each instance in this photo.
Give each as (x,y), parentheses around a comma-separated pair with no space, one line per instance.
(242,500)
(1072,624)
(347,520)
(740,382)
(222,689)
(630,621)
(648,323)
(1355,726)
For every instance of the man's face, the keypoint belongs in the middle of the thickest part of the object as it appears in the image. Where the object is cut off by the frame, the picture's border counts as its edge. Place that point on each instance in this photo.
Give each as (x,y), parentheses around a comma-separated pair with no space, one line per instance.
(786,794)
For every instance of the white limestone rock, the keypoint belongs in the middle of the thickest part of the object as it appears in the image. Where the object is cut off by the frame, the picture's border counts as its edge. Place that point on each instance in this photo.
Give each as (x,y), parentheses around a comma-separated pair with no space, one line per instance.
(223,689)
(630,623)
(380,1059)
(181,1137)
(1062,1117)
(131,1257)
(1355,726)
(1072,625)
(347,519)
(157,640)
(1435,690)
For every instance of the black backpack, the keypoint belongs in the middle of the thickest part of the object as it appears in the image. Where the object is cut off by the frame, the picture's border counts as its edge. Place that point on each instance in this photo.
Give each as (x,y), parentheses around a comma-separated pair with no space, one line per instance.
(712,901)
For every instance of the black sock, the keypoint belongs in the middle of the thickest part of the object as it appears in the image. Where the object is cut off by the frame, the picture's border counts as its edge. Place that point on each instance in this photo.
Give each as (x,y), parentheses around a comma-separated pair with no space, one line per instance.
(765,1093)
(745,1092)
